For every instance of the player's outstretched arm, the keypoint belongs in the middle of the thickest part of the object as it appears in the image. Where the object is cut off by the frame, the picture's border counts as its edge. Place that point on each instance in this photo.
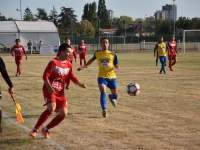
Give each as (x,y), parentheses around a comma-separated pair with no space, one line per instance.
(87,64)
(81,85)
(117,66)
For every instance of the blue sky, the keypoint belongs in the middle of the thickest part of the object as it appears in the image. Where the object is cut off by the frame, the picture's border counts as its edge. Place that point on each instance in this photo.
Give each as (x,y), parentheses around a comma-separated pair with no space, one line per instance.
(131,8)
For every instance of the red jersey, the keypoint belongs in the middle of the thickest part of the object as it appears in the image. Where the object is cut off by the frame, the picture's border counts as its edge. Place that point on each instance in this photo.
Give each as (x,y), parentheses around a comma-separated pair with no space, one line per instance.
(57,72)
(18,49)
(82,48)
(172,48)
(73,54)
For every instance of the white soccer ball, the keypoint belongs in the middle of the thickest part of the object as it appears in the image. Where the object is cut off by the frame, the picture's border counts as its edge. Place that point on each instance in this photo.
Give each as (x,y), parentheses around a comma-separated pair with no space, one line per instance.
(133,89)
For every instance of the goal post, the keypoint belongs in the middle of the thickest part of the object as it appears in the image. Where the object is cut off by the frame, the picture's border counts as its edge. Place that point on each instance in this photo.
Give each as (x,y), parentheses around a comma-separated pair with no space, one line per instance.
(194,38)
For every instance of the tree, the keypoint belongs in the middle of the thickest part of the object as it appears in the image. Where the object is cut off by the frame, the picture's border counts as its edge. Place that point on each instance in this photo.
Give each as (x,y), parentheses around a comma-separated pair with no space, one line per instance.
(90,14)
(2,18)
(53,16)
(28,16)
(185,23)
(102,15)
(87,28)
(67,18)
(85,12)
(41,14)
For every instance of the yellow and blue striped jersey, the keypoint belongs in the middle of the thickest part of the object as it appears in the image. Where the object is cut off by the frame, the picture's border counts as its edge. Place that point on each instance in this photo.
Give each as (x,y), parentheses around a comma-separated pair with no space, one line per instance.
(161,49)
(106,61)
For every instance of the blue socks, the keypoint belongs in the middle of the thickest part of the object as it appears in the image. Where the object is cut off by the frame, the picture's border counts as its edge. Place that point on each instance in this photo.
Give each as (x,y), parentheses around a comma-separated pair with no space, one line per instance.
(103,100)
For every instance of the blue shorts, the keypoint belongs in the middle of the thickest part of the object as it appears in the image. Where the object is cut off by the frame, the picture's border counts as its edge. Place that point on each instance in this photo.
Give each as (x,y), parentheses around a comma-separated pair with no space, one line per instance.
(110,83)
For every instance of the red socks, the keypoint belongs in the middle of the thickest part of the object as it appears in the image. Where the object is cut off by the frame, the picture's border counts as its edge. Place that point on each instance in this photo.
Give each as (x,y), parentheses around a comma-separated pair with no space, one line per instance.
(54,122)
(43,117)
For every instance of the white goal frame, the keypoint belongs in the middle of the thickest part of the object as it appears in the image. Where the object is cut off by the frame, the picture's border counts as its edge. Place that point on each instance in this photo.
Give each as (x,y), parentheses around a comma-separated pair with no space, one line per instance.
(183,42)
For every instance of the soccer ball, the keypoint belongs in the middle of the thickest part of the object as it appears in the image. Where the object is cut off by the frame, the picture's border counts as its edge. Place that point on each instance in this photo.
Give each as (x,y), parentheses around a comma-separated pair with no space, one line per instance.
(133,89)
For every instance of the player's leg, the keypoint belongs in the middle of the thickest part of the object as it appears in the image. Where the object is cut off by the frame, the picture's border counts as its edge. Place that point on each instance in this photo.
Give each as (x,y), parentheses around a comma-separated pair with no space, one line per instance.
(0,120)
(174,60)
(102,83)
(61,106)
(170,62)
(51,107)
(112,84)
(162,61)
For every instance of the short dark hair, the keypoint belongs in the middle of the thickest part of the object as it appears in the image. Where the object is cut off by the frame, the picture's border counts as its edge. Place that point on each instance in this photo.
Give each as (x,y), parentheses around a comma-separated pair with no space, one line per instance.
(17,40)
(67,38)
(104,38)
(64,46)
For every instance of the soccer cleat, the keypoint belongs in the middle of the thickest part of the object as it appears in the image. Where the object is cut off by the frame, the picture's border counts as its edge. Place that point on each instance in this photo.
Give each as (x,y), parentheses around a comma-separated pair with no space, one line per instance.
(20,75)
(16,74)
(113,101)
(160,72)
(171,69)
(33,133)
(104,113)
(164,71)
(45,133)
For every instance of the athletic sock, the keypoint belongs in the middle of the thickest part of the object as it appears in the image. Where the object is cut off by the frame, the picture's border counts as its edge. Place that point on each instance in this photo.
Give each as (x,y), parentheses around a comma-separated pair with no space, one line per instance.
(103,100)
(20,72)
(44,116)
(81,63)
(54,122)
(173,63)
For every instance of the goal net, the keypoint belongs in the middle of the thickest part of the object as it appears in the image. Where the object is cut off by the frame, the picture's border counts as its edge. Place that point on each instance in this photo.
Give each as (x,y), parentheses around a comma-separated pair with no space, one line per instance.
(191,40)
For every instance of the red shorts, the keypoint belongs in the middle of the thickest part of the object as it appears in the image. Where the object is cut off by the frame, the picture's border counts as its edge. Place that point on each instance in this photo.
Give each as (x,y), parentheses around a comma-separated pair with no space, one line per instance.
(60,101)
(82,56)
(18,60)
(171,57)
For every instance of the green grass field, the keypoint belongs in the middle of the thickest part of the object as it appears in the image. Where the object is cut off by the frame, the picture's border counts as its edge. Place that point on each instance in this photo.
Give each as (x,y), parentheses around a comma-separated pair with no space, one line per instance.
(165,115)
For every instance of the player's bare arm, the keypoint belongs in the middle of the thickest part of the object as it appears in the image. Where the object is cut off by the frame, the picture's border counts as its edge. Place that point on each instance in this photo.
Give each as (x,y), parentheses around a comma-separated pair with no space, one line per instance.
(81,85)
(51,90)
(87,64)
(117,66)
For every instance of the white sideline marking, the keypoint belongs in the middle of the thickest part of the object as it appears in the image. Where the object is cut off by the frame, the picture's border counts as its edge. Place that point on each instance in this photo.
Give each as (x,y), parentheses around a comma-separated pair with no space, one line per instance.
(49,141)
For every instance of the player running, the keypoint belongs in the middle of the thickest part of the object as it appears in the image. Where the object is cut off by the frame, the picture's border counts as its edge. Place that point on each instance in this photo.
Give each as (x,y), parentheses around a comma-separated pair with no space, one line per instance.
(16,52)
(54,78)
(82,48)
(161,49)
(8,81)
(107,61)
(70,58)
(172,52)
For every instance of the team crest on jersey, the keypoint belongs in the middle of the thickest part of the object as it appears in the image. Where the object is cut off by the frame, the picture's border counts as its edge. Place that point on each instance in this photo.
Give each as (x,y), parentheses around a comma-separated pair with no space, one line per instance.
(104,62)
(61,71)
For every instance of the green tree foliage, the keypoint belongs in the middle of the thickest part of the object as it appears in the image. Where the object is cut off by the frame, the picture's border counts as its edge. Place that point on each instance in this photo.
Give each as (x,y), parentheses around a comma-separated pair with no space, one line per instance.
(102,15)
(2,18)
(87,28)
(185,23)
(164,27)
(42,14)
(28,16)
(67,19)
(122,23)
(86,12)
(53,16)
(90,14)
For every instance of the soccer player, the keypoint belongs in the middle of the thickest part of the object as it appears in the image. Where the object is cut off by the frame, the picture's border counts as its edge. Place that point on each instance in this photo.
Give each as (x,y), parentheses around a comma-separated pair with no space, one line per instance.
(107,61)
(54,78)
(16,52)
(70,58)
(82,48)
(172,52)
(8,81)
(161,49)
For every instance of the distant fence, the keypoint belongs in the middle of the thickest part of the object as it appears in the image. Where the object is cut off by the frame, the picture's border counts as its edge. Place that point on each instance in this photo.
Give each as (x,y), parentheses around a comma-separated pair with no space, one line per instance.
(143,46)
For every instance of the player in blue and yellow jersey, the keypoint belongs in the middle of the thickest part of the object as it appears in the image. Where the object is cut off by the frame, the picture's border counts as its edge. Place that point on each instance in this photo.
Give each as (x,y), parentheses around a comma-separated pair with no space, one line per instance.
(161,49)
(107,61)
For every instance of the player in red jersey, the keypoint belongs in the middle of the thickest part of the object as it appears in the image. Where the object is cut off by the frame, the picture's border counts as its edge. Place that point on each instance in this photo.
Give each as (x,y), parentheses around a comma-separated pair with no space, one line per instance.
(70,58)
(17,51)
(54,78)
(82,48)
(172,52)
